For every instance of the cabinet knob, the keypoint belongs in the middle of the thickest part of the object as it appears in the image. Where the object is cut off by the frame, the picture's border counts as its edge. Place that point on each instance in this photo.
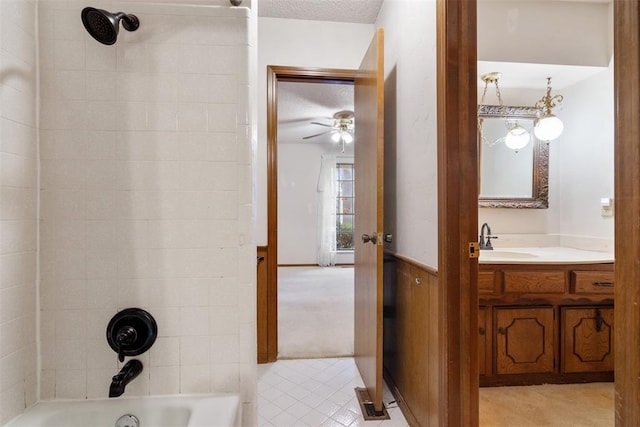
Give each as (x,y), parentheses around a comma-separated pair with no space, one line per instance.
(502,331)
(482,331)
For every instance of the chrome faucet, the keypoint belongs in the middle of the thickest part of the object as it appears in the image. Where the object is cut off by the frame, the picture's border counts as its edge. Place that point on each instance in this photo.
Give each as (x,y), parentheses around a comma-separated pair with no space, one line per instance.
(486,245)
(129,371)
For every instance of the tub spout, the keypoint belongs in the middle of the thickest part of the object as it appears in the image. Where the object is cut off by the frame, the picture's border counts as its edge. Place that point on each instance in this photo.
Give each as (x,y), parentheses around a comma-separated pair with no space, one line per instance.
(129,371)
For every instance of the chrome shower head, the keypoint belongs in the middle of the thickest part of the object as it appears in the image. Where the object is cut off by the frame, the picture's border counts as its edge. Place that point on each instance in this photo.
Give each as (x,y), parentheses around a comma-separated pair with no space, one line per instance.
(103,26)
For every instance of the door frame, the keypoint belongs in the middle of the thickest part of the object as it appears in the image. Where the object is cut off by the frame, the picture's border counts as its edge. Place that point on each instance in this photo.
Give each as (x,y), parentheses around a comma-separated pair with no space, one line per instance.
(275,74)
(457,59)
(626,29)
(457,212)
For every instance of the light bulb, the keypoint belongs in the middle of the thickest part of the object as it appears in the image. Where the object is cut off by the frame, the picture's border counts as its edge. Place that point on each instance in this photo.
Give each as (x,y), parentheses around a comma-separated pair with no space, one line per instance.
(517,138)
(347,137)
(548,128)
(335,137)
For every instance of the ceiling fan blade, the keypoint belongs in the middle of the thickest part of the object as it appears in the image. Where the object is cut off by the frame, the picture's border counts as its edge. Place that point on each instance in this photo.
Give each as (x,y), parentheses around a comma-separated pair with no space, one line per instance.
(317,134)
(321,124)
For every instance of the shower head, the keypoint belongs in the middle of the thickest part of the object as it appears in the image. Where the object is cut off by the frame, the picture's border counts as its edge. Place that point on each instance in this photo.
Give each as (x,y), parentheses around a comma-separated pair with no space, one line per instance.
(103,26)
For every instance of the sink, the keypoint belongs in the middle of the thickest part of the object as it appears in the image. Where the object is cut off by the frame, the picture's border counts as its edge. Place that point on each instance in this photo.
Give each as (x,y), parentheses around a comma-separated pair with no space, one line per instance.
(506,254)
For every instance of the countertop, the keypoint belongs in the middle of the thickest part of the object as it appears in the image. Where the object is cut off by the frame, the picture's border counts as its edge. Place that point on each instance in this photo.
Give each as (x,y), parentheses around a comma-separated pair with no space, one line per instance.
(544,255)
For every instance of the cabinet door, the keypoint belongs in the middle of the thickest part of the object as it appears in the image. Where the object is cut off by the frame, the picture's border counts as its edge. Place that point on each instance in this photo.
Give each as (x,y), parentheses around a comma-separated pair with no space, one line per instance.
(587,339)
(524,340)
(482,340)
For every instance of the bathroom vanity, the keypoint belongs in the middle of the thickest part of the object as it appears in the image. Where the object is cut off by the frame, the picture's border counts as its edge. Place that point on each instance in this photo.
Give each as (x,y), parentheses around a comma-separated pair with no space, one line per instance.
(546,316)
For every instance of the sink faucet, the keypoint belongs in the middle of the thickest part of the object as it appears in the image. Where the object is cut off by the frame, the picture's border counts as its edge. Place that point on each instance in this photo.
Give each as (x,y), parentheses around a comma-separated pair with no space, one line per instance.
(488,236)
(129,371)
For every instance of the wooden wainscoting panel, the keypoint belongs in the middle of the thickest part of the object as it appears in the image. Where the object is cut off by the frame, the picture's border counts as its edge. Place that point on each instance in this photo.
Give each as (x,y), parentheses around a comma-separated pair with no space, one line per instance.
(411,339)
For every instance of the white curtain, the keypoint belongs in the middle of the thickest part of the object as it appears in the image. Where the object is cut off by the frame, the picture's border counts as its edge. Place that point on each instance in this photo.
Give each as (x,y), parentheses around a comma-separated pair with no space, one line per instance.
(326,251)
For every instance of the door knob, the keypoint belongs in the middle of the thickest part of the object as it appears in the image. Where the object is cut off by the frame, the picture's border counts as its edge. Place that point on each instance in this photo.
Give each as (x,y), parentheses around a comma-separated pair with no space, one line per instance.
(373,238)
(388,238)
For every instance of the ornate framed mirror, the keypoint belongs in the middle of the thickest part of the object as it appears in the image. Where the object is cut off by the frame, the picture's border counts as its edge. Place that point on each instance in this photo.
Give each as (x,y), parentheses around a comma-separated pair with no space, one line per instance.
(509,178)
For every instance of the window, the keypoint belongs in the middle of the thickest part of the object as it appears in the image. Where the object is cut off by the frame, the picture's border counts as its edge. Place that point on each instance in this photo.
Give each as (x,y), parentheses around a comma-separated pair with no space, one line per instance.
(344,206)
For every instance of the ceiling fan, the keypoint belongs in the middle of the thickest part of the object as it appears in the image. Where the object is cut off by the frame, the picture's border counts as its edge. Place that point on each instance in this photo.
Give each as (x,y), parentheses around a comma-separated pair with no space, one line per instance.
(341,128)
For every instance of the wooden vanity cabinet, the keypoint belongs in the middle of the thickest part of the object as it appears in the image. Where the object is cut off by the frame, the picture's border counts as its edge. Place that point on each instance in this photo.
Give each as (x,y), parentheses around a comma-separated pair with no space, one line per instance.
(545,323)
(482,341)
(524,340)
(587,339)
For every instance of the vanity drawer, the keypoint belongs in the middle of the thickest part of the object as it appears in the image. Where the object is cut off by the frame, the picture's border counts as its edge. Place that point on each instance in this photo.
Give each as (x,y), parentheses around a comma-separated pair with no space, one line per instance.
(486,282)
(543,282)
(592,282)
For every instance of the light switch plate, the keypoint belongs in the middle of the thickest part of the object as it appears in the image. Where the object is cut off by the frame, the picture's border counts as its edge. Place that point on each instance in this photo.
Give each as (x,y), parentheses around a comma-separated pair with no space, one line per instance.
(606,207)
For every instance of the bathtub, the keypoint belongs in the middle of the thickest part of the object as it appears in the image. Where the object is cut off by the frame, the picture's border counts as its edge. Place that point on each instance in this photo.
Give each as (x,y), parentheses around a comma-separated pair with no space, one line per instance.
(154,411)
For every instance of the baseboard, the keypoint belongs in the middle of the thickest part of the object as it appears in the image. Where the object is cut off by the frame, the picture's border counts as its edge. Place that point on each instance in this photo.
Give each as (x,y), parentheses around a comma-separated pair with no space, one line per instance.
(404,408)
(314,265)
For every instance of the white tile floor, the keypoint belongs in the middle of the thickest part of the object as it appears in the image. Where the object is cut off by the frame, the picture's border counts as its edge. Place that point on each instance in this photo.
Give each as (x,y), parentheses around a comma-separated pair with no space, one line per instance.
(315,393)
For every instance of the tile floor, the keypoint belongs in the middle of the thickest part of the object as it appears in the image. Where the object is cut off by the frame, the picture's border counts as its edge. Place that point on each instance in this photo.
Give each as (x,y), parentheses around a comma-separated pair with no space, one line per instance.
(315,393)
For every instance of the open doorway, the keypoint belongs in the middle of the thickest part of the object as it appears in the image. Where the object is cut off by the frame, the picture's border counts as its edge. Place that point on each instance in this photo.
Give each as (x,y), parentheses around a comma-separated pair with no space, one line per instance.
(367,123)
(315,218)
(569,224)
(268,293)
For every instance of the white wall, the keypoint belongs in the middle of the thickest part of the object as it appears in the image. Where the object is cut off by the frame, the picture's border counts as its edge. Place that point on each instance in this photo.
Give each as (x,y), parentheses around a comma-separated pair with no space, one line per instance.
(298,43)
(298,172)
(411,201)
(18,207)
(586,156)
(581,160)
(545,32)
(147,200)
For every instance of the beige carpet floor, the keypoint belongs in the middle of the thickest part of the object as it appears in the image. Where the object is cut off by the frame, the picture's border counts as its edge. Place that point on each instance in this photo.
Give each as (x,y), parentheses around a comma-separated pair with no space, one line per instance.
(315,312)
(552,405)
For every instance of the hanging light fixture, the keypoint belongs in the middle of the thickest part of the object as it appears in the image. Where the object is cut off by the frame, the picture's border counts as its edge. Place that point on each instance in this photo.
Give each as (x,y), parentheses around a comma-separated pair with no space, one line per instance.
(517,137)
(548,127)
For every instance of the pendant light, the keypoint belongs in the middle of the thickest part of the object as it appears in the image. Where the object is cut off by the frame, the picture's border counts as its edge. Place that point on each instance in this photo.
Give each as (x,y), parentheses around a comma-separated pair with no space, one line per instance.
(548,127)
(517,137)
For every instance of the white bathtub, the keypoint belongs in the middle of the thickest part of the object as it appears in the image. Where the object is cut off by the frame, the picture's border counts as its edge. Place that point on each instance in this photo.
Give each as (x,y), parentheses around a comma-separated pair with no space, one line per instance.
(161,411)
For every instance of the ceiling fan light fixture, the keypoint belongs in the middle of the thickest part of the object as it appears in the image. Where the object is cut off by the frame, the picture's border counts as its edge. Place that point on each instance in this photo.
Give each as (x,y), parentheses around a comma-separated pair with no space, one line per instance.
(335,137)
(346,137)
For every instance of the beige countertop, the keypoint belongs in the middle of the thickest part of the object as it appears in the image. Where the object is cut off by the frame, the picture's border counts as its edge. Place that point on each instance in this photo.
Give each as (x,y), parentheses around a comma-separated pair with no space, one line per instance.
(543,255)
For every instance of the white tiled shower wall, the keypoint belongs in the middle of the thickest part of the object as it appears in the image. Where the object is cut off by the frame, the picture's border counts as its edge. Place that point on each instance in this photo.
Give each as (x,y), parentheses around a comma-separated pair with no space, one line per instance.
(18,207)
(146,199)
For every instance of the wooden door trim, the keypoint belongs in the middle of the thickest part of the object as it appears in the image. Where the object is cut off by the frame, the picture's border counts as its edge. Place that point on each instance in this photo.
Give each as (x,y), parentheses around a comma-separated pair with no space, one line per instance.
(274,75)
(627,210)
(457,211)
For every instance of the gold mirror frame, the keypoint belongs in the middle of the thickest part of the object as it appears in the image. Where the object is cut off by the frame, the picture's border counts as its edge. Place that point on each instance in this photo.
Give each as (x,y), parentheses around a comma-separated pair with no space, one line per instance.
(540,187)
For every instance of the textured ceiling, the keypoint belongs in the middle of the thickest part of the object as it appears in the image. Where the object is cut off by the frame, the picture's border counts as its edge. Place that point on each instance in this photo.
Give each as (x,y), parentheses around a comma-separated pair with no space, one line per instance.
(357,11)
(300,103)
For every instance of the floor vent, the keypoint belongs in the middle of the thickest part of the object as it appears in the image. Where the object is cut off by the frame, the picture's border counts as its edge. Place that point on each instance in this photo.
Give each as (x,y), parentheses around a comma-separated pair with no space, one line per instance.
(366,406)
